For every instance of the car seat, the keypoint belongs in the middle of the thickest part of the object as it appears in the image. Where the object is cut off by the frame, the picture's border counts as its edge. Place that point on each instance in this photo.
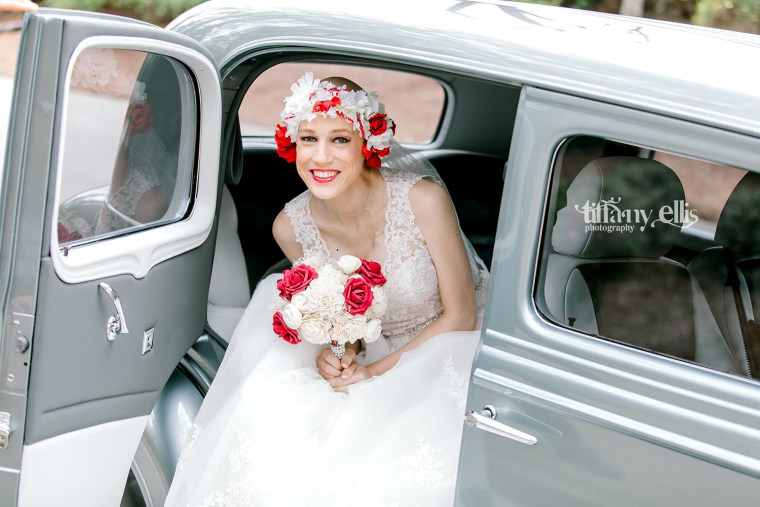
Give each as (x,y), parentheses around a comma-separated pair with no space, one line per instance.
(618,284)
(229,293)
(729,274)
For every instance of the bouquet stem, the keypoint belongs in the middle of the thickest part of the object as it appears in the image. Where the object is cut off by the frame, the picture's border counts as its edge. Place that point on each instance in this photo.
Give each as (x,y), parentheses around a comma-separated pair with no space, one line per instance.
(338,350)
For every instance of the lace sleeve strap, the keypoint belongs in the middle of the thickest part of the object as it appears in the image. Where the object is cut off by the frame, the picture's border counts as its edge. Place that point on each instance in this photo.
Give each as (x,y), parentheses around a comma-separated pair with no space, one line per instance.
(306,233)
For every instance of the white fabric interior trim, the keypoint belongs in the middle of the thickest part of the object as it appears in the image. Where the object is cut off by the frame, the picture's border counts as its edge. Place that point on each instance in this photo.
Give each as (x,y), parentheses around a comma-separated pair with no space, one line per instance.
(86,468)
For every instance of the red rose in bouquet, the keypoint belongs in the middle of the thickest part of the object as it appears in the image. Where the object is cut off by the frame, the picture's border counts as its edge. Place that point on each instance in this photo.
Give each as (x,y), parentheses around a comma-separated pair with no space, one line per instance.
(283,331)
(370,271)
(295,279)
(358,295)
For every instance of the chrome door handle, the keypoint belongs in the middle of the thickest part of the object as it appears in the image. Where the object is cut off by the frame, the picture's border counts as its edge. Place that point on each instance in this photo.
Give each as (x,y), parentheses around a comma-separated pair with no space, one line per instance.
(116,324)
(486,420)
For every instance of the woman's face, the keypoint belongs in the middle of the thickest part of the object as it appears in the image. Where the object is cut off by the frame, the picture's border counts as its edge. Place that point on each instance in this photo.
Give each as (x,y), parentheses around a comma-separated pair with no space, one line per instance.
(329,156)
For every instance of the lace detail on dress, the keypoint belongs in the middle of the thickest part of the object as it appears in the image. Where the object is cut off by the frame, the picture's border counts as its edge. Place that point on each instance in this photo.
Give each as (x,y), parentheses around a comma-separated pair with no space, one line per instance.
(457,387)
(185,453)
(306,232)
(412,288)
(424,467)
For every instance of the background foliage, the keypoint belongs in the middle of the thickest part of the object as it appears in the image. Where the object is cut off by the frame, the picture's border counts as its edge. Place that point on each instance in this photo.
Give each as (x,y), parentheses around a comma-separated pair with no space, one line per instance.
(741,15)
(153,11)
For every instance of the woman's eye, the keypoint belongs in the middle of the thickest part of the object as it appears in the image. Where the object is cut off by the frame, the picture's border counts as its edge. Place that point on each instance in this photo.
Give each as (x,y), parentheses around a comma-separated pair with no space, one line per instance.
(308,139)
(341,140)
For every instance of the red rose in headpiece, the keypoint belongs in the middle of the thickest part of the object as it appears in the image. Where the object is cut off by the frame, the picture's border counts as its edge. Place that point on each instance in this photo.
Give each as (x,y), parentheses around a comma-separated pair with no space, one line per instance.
(370,271)
(139,118)
(283,331)
(372,156)
(295,279)
(325,105)
(285,147)
(358,295)
(378,124)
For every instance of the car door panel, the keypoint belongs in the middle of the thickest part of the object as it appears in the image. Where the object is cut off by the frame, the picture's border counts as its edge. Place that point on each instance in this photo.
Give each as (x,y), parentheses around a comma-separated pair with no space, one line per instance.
(615,425)
(88,398)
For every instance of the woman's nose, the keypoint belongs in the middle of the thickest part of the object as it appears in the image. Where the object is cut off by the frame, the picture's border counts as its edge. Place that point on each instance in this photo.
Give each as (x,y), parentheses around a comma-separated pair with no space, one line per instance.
(323,153)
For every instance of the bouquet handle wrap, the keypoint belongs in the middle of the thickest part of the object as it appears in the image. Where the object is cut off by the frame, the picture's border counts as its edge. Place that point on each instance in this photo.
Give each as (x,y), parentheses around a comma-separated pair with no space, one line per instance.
(338,349)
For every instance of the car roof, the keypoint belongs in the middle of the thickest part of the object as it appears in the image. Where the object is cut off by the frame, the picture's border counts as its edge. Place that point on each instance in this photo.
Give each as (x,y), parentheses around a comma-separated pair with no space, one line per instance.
(700,74)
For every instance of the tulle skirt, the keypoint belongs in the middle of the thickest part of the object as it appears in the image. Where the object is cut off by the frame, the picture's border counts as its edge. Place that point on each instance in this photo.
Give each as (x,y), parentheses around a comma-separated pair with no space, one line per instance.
(272,432)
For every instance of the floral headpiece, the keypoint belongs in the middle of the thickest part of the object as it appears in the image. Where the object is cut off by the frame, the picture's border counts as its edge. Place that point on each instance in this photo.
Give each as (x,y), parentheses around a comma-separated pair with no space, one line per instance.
(312,97)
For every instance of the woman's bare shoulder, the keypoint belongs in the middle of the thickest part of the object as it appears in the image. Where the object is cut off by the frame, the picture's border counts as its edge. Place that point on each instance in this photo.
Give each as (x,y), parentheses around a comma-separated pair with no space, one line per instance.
(428,198)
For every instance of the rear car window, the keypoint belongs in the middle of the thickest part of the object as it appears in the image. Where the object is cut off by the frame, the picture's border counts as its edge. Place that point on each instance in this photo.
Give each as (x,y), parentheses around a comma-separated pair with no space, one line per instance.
(654,250)
(416,103)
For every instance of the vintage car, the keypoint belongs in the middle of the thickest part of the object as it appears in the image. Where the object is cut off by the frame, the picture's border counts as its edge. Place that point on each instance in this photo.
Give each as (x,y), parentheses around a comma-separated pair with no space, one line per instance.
(606,169)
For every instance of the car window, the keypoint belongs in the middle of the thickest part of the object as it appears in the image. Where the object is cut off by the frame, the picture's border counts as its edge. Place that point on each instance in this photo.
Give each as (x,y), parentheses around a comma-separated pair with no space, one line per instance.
(415,103)
(654,250)
(9,41)
(128,144)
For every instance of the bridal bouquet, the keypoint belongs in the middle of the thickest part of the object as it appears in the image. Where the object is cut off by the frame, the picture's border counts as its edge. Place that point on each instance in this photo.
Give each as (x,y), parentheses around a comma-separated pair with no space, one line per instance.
(326,303)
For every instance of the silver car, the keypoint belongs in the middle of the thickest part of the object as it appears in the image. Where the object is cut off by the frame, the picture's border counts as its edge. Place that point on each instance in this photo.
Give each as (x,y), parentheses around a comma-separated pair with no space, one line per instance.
(606,168)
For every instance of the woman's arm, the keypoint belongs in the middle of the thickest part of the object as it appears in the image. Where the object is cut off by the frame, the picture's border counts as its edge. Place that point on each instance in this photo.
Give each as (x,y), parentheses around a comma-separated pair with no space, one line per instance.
(285,237)
(436,219)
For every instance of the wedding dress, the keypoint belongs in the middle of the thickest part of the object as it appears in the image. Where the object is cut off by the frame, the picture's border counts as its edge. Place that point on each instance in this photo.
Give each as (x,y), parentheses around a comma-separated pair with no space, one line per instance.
(272,432)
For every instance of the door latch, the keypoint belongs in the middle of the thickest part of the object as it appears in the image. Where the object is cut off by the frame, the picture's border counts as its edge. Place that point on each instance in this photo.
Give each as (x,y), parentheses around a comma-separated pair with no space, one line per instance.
(485,419)
(5,429)
(116,324)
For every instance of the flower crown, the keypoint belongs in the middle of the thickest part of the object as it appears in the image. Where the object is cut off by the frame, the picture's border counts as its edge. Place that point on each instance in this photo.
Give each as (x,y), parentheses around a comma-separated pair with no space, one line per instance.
(312,97)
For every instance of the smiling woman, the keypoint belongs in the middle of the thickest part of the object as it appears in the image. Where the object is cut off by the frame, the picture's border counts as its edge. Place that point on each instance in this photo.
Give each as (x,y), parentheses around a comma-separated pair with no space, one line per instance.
(351,417)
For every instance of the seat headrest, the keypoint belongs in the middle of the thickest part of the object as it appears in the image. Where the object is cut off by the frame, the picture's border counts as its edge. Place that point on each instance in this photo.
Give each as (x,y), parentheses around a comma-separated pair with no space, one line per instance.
(620,207)
(739,223)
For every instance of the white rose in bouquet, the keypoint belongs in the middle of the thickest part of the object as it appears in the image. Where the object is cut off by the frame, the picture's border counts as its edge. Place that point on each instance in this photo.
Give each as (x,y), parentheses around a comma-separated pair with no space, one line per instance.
(349,264)
(315,330)
(349,328)
(301,301)
(372,330)
(292,316)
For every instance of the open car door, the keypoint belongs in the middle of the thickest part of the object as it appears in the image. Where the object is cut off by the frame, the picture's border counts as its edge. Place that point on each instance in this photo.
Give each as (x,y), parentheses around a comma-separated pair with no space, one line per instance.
(108,198)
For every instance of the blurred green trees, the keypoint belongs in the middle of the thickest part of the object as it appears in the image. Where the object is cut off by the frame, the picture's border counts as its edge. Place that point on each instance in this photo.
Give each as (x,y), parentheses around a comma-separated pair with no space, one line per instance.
(153,11)
(740,15)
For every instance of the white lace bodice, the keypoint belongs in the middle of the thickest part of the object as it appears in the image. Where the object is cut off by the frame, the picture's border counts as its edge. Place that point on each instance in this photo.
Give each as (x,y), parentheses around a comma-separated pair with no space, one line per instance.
(412,281)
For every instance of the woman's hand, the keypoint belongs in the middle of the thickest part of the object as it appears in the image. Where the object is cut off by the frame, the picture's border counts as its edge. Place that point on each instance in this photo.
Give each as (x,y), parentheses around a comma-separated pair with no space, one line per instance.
(353,374)
(330,367)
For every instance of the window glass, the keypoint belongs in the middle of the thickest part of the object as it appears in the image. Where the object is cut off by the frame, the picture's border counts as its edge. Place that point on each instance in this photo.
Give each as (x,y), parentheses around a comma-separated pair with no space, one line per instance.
(9,43)
(654,250)
(128,153)
(414,102)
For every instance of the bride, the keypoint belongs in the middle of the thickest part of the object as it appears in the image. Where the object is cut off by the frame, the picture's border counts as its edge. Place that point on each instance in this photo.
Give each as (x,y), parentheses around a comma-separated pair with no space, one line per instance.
(294,425)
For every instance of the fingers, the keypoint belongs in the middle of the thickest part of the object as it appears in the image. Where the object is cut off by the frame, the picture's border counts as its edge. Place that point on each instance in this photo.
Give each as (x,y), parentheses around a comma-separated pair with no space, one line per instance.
(348,358)
(328,365)
(348,372)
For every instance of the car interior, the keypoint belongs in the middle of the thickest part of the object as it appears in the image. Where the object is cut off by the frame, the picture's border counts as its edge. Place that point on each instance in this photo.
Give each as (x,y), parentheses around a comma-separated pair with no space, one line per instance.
(685,292)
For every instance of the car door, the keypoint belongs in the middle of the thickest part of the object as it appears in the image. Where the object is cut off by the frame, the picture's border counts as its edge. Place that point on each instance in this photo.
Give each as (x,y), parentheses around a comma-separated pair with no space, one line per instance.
(109,196)
(576,418)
